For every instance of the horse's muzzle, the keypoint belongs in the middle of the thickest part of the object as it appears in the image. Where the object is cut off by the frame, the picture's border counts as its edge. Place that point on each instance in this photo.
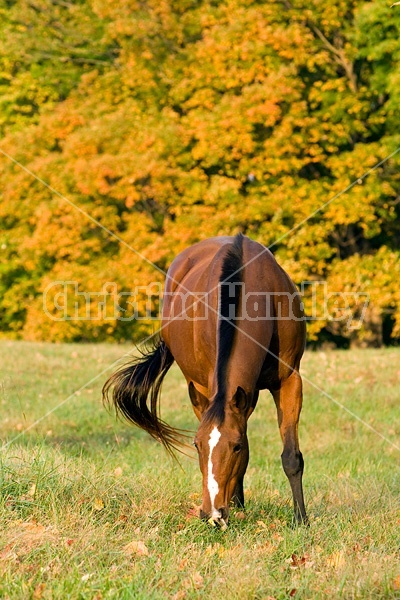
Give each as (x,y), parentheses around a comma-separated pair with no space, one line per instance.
(219,518)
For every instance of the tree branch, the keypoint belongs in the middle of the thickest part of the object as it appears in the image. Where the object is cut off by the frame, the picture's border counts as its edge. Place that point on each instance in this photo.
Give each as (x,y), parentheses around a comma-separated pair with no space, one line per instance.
(337,52)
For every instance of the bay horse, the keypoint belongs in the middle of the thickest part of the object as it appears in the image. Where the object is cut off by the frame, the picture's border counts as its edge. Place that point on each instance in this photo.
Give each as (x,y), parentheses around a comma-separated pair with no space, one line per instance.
(242,330)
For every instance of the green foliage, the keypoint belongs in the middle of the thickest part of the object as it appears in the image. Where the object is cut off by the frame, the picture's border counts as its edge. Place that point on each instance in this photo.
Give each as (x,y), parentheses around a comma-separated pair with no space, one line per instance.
(45,47)
(169,122)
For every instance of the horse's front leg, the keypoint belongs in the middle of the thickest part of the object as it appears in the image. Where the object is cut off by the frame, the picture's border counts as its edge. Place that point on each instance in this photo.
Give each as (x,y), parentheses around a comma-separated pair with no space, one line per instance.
(238,494)
(288,400)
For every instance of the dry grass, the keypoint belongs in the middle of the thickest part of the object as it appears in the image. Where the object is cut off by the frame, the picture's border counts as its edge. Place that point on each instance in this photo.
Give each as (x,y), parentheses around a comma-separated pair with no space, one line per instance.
(92,508)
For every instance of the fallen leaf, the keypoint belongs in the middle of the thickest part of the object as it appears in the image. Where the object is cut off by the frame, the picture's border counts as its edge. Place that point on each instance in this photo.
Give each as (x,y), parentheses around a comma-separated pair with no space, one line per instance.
(98,504)
(292,592)
(197,580)
(336,560)
(86,577)
(215,549)
(262,524)
(26,498)
(240,515)
(118,472)
(38,591)
(123,518)
(186,583)
(32,490)
(179,595)
(299,561)
(154,530)
(136,547)
(396,583)
(33,527)
(8,553)
(193,513)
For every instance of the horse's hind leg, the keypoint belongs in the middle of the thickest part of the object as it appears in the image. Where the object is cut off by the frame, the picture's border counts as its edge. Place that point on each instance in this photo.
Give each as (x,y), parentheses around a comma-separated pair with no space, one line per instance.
(288,400)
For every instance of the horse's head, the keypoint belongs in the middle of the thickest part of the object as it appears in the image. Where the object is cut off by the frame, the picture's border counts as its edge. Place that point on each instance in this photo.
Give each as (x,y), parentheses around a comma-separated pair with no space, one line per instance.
(223,449)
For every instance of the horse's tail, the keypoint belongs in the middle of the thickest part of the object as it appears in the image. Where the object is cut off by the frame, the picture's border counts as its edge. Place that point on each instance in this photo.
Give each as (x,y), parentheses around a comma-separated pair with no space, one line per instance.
(135,394)
(230,282)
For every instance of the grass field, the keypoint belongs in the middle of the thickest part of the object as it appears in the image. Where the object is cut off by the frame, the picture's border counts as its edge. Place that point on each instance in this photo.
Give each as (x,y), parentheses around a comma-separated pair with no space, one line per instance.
(92,508)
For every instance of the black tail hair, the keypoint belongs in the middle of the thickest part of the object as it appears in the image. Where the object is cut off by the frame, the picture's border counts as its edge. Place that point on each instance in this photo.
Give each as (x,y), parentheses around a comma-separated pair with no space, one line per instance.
(229,300)
(138,383)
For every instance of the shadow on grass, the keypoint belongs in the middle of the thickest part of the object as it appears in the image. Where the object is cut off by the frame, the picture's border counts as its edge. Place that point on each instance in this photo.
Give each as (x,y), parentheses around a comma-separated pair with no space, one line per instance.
(82,437)
(73,443)
(270,510)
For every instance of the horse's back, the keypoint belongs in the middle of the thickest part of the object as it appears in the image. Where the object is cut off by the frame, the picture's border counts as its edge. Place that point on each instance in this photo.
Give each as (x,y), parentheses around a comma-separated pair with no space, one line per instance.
(190,312)
(196,258)
(206,256)
(190,307)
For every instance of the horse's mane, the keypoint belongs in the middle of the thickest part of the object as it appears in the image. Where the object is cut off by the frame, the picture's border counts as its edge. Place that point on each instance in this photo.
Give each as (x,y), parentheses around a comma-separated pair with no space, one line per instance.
(229,297)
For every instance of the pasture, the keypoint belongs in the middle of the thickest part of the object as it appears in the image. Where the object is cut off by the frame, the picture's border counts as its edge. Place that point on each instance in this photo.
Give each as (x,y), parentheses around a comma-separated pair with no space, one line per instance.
(92,508)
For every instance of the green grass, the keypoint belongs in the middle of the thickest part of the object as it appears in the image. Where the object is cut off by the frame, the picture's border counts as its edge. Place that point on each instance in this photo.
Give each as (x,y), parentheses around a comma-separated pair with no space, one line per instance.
(79,490)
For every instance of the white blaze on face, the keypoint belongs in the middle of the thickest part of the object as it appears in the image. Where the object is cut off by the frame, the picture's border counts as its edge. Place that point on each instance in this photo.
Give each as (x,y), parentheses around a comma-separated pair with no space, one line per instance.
(211,481)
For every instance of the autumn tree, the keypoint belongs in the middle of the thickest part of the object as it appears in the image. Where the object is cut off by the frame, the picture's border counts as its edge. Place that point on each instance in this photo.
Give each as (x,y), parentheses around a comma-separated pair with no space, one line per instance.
(168,122)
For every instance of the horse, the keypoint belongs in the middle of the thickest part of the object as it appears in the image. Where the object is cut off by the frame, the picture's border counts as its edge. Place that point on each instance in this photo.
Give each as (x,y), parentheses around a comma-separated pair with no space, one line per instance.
(233,321)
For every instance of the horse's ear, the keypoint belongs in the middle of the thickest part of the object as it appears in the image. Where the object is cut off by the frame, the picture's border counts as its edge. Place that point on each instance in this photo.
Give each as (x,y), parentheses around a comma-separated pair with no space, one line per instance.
(198,400)
(241,401)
